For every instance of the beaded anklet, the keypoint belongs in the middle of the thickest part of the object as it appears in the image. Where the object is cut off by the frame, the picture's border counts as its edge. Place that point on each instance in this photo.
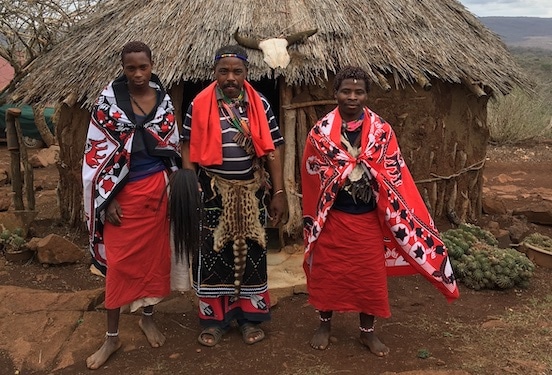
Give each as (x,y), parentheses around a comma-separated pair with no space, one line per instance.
(366,330)
(112,334)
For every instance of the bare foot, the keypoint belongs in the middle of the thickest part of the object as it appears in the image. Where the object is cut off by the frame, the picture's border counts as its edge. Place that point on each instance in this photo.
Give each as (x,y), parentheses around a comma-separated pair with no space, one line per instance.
(370,340)
(154,336)
(110,346)
(321,338)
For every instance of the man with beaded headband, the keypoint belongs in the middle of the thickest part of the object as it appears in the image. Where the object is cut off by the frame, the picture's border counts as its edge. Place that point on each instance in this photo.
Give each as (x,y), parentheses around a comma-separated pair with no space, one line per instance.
(231,138)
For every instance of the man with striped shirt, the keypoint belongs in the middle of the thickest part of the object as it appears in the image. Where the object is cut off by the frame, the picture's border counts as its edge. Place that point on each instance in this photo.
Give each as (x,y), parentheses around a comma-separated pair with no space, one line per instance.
(231,138)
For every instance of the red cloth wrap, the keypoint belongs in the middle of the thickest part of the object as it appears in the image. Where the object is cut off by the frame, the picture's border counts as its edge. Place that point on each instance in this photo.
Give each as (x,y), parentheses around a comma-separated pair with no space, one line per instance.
(343,276)
(412,243)
(206,134)
(138,252)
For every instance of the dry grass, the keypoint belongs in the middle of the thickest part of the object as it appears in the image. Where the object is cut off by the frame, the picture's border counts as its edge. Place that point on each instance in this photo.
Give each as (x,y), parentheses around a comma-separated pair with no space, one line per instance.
(523,116)
(520,117)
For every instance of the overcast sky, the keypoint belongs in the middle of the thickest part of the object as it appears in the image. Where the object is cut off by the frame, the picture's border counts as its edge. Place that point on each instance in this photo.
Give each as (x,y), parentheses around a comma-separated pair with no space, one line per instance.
(509,8)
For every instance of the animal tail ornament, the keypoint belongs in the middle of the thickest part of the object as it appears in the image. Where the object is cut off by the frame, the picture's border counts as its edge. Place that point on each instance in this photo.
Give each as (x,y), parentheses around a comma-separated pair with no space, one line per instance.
(240,256)
(185,210)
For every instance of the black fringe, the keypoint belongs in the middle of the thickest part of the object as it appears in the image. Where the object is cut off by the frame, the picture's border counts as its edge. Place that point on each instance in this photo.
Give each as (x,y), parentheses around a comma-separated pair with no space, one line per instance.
(186,211)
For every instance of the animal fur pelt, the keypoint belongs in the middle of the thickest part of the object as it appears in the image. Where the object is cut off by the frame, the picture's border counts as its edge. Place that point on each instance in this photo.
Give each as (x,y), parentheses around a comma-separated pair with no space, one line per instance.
(239,221)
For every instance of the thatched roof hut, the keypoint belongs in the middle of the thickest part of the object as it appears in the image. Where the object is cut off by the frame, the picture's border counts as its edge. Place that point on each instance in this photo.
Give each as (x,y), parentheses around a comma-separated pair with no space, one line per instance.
(434,66)
(413,41)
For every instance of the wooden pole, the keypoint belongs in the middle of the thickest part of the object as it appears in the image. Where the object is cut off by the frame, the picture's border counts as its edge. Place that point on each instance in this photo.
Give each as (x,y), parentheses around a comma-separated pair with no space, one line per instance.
(71,128)
(302,131)
(42,125)
(474,87)
(28,174)
(423,81)
(294,204)
(310,103)
(15,157)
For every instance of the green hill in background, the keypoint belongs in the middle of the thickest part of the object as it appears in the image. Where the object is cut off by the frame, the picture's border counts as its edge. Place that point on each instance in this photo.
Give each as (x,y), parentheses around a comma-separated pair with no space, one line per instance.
(530,32)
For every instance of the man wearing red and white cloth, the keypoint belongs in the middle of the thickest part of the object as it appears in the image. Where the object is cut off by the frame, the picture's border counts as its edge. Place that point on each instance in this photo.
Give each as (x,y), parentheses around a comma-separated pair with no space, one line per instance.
(364,218)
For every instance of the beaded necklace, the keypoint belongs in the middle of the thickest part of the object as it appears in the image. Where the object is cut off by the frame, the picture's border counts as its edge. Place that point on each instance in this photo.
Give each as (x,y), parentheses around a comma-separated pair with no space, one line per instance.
(228,100)
(228,107)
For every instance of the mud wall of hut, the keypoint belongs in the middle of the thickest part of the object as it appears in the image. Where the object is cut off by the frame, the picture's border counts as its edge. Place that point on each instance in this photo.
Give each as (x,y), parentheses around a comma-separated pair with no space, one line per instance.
(443,136)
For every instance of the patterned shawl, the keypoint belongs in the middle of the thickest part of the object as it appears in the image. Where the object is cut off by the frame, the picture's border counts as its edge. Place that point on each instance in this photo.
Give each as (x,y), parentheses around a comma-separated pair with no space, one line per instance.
(412,243)
(109,145)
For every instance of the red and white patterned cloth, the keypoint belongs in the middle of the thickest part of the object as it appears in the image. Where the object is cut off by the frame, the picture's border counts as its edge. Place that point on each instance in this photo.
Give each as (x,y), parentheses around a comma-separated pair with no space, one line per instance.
(412,243)
(106,161)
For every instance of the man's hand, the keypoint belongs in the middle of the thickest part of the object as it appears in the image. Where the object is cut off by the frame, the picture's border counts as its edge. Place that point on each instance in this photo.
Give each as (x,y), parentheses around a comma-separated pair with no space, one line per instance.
(114,213)
(277,209)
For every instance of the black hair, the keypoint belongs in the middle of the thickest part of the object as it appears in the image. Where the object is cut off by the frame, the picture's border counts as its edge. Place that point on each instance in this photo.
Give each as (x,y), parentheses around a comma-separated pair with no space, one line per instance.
(185,212)
(232,49)
(135,46)
(351,72)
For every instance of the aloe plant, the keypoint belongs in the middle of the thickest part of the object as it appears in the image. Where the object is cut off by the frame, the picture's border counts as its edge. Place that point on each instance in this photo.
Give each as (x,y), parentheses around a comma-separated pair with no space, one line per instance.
(539,240)
(12,240)
(479,264)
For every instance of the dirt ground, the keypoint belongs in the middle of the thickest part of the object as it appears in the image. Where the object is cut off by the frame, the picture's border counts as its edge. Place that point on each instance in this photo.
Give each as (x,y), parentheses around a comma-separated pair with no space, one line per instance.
(484,332)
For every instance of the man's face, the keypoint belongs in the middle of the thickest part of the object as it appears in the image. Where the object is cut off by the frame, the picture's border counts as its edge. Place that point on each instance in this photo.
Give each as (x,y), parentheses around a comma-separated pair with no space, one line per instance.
(230,73)
(137,68)
(351,98)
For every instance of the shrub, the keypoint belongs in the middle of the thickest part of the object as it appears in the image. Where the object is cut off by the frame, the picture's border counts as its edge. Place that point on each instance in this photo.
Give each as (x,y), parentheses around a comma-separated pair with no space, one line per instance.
(519,117)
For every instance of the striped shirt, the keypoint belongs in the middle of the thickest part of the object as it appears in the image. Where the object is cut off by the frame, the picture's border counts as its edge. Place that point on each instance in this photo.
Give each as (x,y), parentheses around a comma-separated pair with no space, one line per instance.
(237,164)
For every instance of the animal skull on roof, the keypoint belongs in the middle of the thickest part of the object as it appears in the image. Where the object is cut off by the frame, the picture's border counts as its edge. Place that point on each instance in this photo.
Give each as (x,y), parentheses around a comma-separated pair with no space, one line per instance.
(274,49)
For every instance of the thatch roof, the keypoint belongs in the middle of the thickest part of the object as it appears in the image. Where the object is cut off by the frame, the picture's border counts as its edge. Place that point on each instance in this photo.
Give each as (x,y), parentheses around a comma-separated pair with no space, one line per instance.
(403,38)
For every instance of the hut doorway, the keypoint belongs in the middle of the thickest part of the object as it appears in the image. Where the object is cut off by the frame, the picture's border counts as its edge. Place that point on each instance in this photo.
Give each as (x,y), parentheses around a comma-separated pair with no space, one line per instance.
(191,89)
(270,89)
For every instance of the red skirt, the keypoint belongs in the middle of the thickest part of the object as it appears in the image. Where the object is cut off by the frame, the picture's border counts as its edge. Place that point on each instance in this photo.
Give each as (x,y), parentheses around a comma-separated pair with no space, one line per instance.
(138,252)
(346,267)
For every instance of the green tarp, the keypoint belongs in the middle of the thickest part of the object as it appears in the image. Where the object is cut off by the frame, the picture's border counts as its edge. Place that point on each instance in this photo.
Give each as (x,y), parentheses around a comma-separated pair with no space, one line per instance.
(26,120)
